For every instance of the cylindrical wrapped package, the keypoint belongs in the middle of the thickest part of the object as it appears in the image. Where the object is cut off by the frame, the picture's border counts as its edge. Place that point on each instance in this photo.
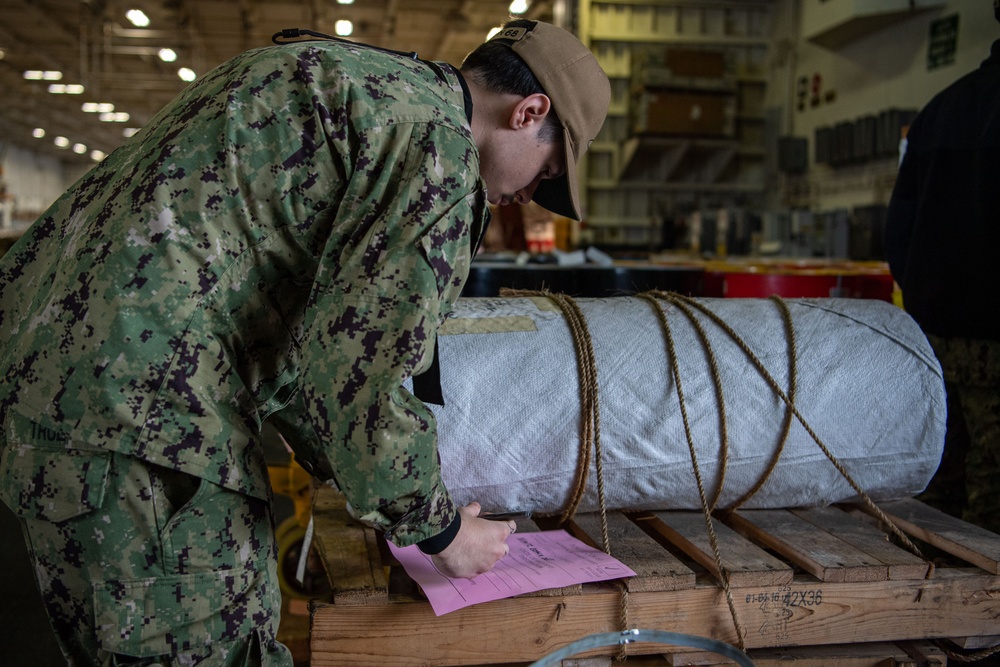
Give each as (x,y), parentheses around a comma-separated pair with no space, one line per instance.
(509,434)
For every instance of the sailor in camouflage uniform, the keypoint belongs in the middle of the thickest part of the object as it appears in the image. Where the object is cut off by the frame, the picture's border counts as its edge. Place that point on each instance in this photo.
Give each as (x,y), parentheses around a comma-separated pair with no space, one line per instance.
(942,238)
(279,243)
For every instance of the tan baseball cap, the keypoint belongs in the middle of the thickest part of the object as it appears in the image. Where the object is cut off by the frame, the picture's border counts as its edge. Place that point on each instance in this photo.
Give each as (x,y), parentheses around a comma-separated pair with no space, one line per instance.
(580,94)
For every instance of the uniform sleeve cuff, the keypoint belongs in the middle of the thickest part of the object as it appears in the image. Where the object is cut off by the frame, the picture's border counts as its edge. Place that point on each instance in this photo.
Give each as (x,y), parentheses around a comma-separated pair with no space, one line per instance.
(438,543)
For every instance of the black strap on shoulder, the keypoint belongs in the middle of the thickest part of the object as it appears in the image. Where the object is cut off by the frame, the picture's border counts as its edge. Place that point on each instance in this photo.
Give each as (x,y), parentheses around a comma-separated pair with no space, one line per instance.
(427,385)
(289,35)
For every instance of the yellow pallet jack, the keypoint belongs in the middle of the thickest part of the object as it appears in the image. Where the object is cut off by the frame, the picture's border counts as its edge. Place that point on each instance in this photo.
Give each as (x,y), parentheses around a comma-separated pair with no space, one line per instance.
(296,582)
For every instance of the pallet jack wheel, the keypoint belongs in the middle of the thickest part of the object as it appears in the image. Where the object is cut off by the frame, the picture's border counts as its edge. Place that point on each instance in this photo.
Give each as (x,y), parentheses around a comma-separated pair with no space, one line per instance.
(285,527)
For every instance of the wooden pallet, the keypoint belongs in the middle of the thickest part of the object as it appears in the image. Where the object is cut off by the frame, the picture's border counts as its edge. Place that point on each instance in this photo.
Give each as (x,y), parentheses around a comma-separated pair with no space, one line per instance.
(824,577)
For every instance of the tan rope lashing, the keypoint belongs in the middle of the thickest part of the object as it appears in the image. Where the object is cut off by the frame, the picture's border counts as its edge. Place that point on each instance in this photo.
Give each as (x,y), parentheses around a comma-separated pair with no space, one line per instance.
(595,412)
(967,657)
(582,333)
(719,397)
(583,467)
(590,427)
(584,368)
(623,617)
(786,425)
(787,422)
(706,510)
(869,503)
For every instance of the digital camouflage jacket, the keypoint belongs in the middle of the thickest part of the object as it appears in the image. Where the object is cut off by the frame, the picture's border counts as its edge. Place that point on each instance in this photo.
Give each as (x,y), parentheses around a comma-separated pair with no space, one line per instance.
(280,242)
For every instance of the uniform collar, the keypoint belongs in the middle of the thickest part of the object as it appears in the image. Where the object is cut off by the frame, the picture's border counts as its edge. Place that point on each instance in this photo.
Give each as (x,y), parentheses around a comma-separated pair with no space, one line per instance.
(466,94)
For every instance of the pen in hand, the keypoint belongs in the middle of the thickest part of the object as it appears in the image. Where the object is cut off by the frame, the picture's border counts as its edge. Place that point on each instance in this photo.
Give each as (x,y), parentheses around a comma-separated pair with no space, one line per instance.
(505,516)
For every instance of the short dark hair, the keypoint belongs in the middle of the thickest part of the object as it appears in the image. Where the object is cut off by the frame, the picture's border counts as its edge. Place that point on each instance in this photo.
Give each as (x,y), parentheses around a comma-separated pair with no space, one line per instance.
(496,67)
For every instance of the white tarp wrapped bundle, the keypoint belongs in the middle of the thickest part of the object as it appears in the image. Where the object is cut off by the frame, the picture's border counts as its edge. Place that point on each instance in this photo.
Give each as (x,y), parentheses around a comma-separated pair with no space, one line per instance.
(509,435)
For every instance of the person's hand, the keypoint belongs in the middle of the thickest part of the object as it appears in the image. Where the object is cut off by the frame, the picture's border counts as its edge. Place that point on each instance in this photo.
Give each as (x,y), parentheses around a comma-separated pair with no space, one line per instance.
(479,544)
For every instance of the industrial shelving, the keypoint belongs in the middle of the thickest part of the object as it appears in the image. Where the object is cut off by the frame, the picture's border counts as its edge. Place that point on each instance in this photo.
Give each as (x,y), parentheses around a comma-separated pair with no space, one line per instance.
(633,179)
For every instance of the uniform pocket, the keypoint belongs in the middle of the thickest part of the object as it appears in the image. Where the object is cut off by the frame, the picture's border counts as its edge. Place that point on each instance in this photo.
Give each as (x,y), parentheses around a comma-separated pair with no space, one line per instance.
(176,614)
(44,475)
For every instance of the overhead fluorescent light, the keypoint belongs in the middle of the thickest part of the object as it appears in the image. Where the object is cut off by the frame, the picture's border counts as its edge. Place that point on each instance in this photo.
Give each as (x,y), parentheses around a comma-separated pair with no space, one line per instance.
(38,133)
(114,117)
(39,75)
(343,27)
(167,55)
(187,74)
(137,17)
(66,88)
(61,142)
(79,149)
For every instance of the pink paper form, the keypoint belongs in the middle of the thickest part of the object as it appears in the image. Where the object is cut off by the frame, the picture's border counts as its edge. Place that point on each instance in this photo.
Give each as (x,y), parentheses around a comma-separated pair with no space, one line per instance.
(548,559)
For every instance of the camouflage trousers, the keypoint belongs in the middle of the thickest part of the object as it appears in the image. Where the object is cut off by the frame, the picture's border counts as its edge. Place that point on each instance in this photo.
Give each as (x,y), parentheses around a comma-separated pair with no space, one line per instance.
(967,483)
(139,565)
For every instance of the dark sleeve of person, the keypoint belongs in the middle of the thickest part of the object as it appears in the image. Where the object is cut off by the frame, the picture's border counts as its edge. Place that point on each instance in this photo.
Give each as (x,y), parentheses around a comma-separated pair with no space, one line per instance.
(902,214)
(438,543)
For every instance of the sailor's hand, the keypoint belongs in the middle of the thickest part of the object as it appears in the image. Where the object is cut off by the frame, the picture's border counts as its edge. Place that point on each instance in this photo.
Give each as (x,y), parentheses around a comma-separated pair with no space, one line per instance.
(479,544)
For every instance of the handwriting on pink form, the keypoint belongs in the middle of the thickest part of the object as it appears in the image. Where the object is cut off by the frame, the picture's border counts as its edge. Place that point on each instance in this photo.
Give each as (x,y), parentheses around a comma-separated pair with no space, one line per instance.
(548,559)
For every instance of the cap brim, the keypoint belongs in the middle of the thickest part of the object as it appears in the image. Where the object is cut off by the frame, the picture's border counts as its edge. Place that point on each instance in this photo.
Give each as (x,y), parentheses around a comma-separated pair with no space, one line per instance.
(561,195)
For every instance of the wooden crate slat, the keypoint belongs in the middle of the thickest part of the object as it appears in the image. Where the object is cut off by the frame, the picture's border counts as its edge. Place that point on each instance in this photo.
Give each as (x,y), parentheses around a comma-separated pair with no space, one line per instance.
(877,654)
(692,658)
(601,661)
(349,550)
(746,563)
(804,612)
(656,568)
(900,563)
(966,541)
(975,643)
(821,554)
(365,626)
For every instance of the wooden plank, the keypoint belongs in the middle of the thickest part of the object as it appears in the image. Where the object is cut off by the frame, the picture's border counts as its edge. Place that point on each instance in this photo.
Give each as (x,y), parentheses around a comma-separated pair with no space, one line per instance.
(692,658)
(401,585)
(746,563)
(876,654)
(349,551)
(656,569)
(920,654)
(971,543)
(607,661)
(900,563)
(611,661)
(804,612)
(975,643)
(821,554)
